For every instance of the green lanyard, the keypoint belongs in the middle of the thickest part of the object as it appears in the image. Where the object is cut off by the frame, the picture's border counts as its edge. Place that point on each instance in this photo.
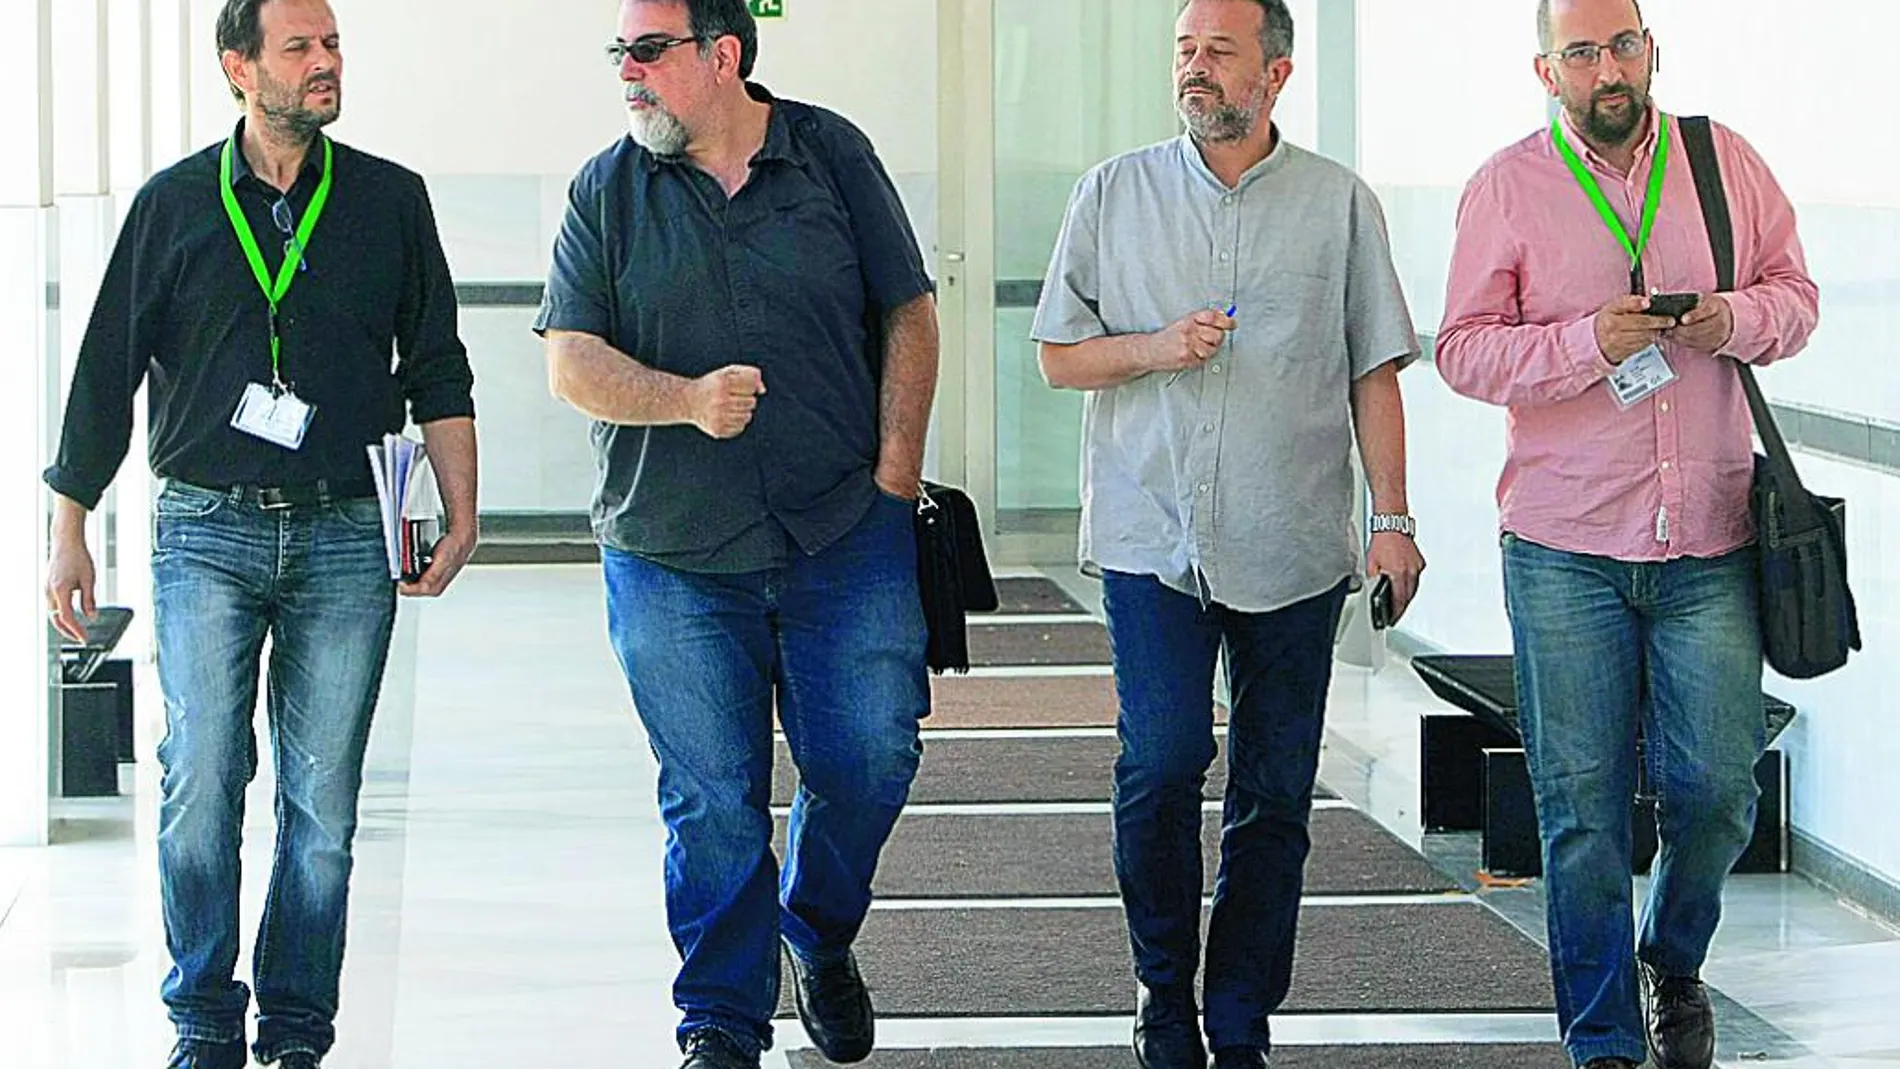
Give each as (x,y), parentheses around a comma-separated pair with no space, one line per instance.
(1657,171)
(293,256)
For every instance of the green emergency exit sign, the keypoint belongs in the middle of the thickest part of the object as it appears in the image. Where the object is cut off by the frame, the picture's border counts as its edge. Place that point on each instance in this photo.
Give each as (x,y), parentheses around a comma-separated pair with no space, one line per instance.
(767,9)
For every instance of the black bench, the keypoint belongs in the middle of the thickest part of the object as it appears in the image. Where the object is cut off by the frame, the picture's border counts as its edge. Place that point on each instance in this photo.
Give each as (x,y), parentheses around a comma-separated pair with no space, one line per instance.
(95,708)
(1472,775)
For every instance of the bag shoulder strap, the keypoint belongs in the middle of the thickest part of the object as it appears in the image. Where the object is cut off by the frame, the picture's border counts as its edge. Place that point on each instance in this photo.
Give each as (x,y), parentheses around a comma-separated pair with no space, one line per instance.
(1698,140)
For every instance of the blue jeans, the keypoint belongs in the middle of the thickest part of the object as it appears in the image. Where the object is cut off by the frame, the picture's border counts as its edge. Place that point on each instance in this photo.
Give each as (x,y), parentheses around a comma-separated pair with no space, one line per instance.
(225,575)
(1606,647)
(836,640)
(1279,665)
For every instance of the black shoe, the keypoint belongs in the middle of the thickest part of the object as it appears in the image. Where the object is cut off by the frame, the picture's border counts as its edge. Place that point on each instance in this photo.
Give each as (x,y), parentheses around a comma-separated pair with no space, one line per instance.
(1679,1020)
(834,1007)
(299,1059)
(1240,1058)
(1609,1063)
(1168,1030)
(709,1048)
(197,1054)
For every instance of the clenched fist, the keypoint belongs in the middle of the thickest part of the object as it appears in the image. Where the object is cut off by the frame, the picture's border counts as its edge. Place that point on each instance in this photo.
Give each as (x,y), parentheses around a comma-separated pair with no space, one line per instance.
(724,400)
(1187,343)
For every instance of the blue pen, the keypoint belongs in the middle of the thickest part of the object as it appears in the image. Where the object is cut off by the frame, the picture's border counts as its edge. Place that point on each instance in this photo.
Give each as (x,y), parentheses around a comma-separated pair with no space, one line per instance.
(1231,309)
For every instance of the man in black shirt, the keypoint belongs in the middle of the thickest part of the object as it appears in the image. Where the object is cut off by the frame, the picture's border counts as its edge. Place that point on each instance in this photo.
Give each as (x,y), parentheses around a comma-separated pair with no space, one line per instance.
(261,288)
(738,301)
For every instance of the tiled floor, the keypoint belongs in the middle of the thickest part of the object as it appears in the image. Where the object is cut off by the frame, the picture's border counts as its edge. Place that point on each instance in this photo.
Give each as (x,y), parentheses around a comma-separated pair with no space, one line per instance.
(507,908)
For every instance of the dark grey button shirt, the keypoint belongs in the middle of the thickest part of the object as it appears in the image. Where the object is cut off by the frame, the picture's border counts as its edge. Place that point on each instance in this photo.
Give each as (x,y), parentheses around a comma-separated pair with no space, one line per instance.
(1234,482)
(794,275)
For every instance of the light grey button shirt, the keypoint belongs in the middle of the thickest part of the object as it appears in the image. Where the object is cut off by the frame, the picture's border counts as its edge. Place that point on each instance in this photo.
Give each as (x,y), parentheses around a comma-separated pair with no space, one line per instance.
(1233,483)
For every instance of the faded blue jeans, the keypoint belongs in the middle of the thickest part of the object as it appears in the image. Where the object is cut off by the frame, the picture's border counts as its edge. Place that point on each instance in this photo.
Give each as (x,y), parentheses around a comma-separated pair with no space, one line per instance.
(225,575)
(836,642)
(1605,647)
(1279,666)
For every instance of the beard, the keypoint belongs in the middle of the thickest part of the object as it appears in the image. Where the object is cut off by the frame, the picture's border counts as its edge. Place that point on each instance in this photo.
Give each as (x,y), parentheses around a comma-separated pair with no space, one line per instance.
(654,128)
(1220,120)
(284,109)
(1605,126)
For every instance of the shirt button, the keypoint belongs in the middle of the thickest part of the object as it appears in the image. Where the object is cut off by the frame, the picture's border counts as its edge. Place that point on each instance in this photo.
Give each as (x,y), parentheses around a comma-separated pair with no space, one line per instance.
(1203,488)
(1207,428)
(1226,256)
(1215,368)
(1665,406)
(1228,200)
(1665,465)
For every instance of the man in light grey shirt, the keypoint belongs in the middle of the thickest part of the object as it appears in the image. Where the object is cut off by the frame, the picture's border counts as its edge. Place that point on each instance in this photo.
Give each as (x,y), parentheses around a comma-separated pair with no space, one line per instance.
(1230,304)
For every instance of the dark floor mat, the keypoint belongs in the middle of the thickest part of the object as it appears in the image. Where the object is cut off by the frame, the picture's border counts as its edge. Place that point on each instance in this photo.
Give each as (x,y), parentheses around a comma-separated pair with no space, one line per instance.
(1031,596)
(994,645)
(1029,702)
(946,855)
(1435,1056)
(1055,769)
(1447,958)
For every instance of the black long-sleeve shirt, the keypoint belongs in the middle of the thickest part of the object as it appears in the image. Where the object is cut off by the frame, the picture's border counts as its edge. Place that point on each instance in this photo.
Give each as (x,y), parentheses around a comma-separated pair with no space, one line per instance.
(180,304)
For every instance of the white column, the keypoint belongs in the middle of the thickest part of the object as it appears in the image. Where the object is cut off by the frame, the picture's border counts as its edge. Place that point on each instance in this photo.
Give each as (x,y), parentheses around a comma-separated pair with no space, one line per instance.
(27,394)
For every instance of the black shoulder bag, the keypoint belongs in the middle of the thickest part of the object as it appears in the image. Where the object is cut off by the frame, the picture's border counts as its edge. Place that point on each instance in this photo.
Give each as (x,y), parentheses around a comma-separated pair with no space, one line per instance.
(953,574)
(1808,622)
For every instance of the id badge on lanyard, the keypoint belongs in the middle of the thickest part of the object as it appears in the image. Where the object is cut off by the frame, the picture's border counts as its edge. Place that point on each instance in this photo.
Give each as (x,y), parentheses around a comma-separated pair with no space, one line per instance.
(1642,375)
(272,411)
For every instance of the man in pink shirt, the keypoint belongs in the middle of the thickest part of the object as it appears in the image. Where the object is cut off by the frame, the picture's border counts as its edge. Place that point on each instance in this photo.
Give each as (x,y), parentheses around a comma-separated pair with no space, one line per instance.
(1628,565)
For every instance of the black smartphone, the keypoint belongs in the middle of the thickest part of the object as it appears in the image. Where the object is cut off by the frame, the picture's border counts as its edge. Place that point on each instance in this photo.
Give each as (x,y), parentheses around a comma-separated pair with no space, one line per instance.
(1381,600)
(1673,305)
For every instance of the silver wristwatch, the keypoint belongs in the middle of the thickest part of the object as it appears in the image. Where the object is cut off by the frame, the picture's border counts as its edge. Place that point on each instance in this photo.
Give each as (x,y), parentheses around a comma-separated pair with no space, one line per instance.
(1395,522)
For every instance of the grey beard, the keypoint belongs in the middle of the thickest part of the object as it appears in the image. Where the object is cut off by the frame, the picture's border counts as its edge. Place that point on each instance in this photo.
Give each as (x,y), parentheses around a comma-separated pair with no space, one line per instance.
(1228,122)
(659,131)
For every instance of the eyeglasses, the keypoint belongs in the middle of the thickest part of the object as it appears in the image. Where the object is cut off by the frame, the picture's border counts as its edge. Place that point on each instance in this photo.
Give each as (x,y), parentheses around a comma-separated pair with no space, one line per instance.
(647,49)
(1625,46)
(281,215)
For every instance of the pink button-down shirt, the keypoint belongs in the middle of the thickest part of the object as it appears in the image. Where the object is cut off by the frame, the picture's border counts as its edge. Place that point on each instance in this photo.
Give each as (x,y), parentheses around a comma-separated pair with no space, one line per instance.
(1534,263)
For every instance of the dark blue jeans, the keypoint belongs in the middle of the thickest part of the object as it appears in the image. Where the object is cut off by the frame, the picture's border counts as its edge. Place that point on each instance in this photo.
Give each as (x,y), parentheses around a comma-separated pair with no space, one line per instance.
(225,575)
(1603,647)
(836,641)
(1279,665)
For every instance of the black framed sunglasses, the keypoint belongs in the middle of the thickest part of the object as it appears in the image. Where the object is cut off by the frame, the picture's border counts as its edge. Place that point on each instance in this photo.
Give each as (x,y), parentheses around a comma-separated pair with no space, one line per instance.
(646,49)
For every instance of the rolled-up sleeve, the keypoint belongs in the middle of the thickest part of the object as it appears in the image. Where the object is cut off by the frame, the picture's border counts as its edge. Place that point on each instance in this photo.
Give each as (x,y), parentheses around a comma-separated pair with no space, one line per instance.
(1069,311)
(113,358)
(434,370)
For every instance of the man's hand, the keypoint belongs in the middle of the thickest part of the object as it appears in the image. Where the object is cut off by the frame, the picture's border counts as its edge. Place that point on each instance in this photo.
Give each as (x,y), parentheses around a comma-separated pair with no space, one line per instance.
(450,555)
(69,571)
(723,401)
(1393,554)
(1624,329)
(1187,343)
(1708,326)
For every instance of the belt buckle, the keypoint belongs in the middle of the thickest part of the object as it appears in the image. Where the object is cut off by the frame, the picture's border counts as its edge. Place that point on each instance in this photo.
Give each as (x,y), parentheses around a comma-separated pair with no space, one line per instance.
(273,499)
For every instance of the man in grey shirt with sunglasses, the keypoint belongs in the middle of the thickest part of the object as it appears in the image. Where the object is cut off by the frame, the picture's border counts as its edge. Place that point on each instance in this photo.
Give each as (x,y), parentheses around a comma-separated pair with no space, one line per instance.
(1230,304)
